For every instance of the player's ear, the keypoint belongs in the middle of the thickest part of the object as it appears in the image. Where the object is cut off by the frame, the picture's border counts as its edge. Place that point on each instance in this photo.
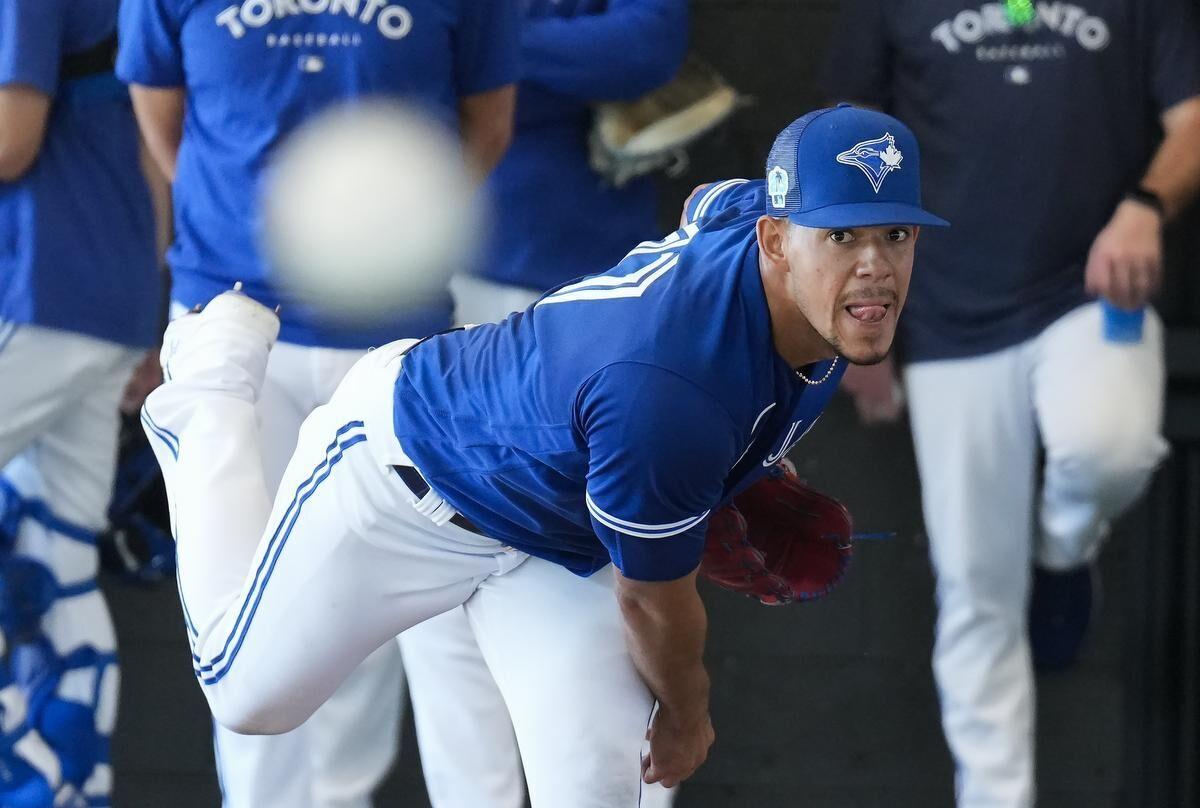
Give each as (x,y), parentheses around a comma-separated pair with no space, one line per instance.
(772,236)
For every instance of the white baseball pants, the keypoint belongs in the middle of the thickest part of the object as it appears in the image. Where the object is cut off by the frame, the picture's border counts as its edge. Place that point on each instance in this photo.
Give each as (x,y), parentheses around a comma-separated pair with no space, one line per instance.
(338,757)
(58,445)
(1096,408)
(279,616)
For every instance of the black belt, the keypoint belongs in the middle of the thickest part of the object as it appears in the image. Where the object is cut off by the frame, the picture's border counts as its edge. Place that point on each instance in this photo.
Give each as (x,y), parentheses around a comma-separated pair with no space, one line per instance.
(100,58)
(416,483)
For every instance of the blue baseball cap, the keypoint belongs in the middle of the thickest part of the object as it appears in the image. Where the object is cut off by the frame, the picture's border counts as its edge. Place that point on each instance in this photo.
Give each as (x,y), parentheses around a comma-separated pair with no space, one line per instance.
(847,167)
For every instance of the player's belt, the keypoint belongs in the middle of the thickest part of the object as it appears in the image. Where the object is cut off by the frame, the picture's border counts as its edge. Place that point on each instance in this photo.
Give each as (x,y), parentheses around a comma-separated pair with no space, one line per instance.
(417,484)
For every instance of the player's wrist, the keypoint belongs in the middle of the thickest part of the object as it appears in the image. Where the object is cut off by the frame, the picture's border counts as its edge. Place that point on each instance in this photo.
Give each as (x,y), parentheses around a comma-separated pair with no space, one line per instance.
(1145,199)
(687,701)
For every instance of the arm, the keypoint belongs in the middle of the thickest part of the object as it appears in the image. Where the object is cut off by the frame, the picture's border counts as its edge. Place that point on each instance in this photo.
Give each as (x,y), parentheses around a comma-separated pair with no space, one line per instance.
(1124,264)
(23,114)
(622,53)
(665,625)
(1174,173)
(30,51)
(654,474)
(159,112)
(486,122)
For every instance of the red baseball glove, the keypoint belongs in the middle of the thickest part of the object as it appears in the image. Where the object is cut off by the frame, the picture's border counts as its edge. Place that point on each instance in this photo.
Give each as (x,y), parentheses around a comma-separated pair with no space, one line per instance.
(779,541)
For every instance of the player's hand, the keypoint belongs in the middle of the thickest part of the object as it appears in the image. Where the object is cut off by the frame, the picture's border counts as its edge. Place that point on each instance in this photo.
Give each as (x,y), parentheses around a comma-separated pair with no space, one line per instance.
(678,745)
(1125,262)
(876,391)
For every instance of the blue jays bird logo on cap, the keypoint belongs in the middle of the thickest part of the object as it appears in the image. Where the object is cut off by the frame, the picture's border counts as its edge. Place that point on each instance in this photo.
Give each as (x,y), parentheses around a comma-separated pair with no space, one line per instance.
(777,186)
(876,158)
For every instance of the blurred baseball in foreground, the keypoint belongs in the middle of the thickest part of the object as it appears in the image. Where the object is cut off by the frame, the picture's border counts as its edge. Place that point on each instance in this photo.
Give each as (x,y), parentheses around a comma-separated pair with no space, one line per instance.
(368,209)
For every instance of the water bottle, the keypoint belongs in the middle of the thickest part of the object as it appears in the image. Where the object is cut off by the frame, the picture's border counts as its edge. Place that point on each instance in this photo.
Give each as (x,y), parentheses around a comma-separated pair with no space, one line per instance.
(1122,325)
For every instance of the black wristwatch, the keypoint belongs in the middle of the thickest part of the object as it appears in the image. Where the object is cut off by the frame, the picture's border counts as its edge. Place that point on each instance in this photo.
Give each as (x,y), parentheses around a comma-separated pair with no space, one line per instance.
(1148,198)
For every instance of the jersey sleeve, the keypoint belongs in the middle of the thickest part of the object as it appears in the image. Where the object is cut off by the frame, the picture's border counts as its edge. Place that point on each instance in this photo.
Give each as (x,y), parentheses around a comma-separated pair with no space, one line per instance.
(858,67)
(487,49)
(31,42)
(659,451)
(717,197)
(1174,56)
(150,53)
(630,48)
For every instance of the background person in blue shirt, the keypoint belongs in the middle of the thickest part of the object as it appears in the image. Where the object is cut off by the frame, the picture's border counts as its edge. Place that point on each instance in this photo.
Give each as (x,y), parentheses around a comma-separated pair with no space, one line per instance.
(79,305)
(1041,136)
(217,85)
(554,472)
(574,54)
(546,202)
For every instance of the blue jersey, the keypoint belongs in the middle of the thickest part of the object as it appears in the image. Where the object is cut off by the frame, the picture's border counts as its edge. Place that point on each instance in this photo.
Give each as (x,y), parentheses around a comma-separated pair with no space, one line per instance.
(610,418)
(77,248)
(254,71)
(545,194)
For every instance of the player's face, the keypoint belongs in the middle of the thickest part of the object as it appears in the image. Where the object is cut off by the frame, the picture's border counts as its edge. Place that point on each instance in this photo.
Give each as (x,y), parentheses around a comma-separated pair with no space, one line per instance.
(851,284)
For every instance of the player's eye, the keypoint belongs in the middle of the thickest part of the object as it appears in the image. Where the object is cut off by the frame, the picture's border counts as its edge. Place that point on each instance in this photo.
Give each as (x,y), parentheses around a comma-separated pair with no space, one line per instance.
(841,236)
(899,234)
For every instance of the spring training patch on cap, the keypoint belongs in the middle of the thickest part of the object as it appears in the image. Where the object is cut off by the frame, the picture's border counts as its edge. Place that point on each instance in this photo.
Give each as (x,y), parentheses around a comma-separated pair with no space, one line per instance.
(876,158)
(777,186)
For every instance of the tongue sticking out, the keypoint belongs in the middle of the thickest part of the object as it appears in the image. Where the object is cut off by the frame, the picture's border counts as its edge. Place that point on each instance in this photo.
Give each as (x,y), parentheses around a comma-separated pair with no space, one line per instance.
(868,314)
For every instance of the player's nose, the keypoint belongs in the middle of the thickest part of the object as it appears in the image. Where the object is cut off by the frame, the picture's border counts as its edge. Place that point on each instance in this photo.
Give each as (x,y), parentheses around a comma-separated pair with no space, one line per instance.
(872,262)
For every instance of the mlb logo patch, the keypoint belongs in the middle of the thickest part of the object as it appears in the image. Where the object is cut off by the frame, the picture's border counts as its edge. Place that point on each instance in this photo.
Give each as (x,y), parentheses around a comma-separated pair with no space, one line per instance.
(876,158)
(777,186)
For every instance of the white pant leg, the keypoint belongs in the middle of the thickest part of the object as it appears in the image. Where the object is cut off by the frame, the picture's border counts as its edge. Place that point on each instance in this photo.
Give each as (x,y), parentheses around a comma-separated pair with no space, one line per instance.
(1100,409)
(258,770)
(468,750)
(556,645)
(58,440)
(344,564)
(973,428)
(338,757)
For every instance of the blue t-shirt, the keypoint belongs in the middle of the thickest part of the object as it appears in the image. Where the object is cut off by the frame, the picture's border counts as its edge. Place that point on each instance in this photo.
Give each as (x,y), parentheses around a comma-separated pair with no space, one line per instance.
(573,54)
(77,248)
(610,418)
(1030,137)
(256,70)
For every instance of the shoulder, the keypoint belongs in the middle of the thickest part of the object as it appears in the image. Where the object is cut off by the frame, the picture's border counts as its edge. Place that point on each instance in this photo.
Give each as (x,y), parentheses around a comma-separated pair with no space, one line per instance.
(713,198)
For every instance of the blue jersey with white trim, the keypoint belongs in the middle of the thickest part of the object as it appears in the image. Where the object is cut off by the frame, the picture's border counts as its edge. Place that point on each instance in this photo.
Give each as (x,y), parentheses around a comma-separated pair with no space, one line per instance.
(610,418)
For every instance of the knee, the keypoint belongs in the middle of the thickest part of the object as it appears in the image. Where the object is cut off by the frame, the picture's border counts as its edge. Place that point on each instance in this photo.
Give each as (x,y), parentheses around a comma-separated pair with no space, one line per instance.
(1106,465)
(247,715)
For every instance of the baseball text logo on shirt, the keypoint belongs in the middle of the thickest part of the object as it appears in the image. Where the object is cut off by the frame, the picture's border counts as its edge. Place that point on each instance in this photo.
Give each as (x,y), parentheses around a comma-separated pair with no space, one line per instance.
(972,27)
(789,441)
(391,20)
(876,158)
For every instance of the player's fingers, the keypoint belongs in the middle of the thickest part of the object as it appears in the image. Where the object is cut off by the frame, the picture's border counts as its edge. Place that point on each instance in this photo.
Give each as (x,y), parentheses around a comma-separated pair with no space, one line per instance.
(1148,279)
(1096,275)
(1120,286)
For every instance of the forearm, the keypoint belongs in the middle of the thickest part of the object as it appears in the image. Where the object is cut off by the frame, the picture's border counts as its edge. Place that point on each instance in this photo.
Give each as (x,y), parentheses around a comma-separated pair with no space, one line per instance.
(486,124)
(666,637)
(23,114)
(159,112)
(1174,173)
